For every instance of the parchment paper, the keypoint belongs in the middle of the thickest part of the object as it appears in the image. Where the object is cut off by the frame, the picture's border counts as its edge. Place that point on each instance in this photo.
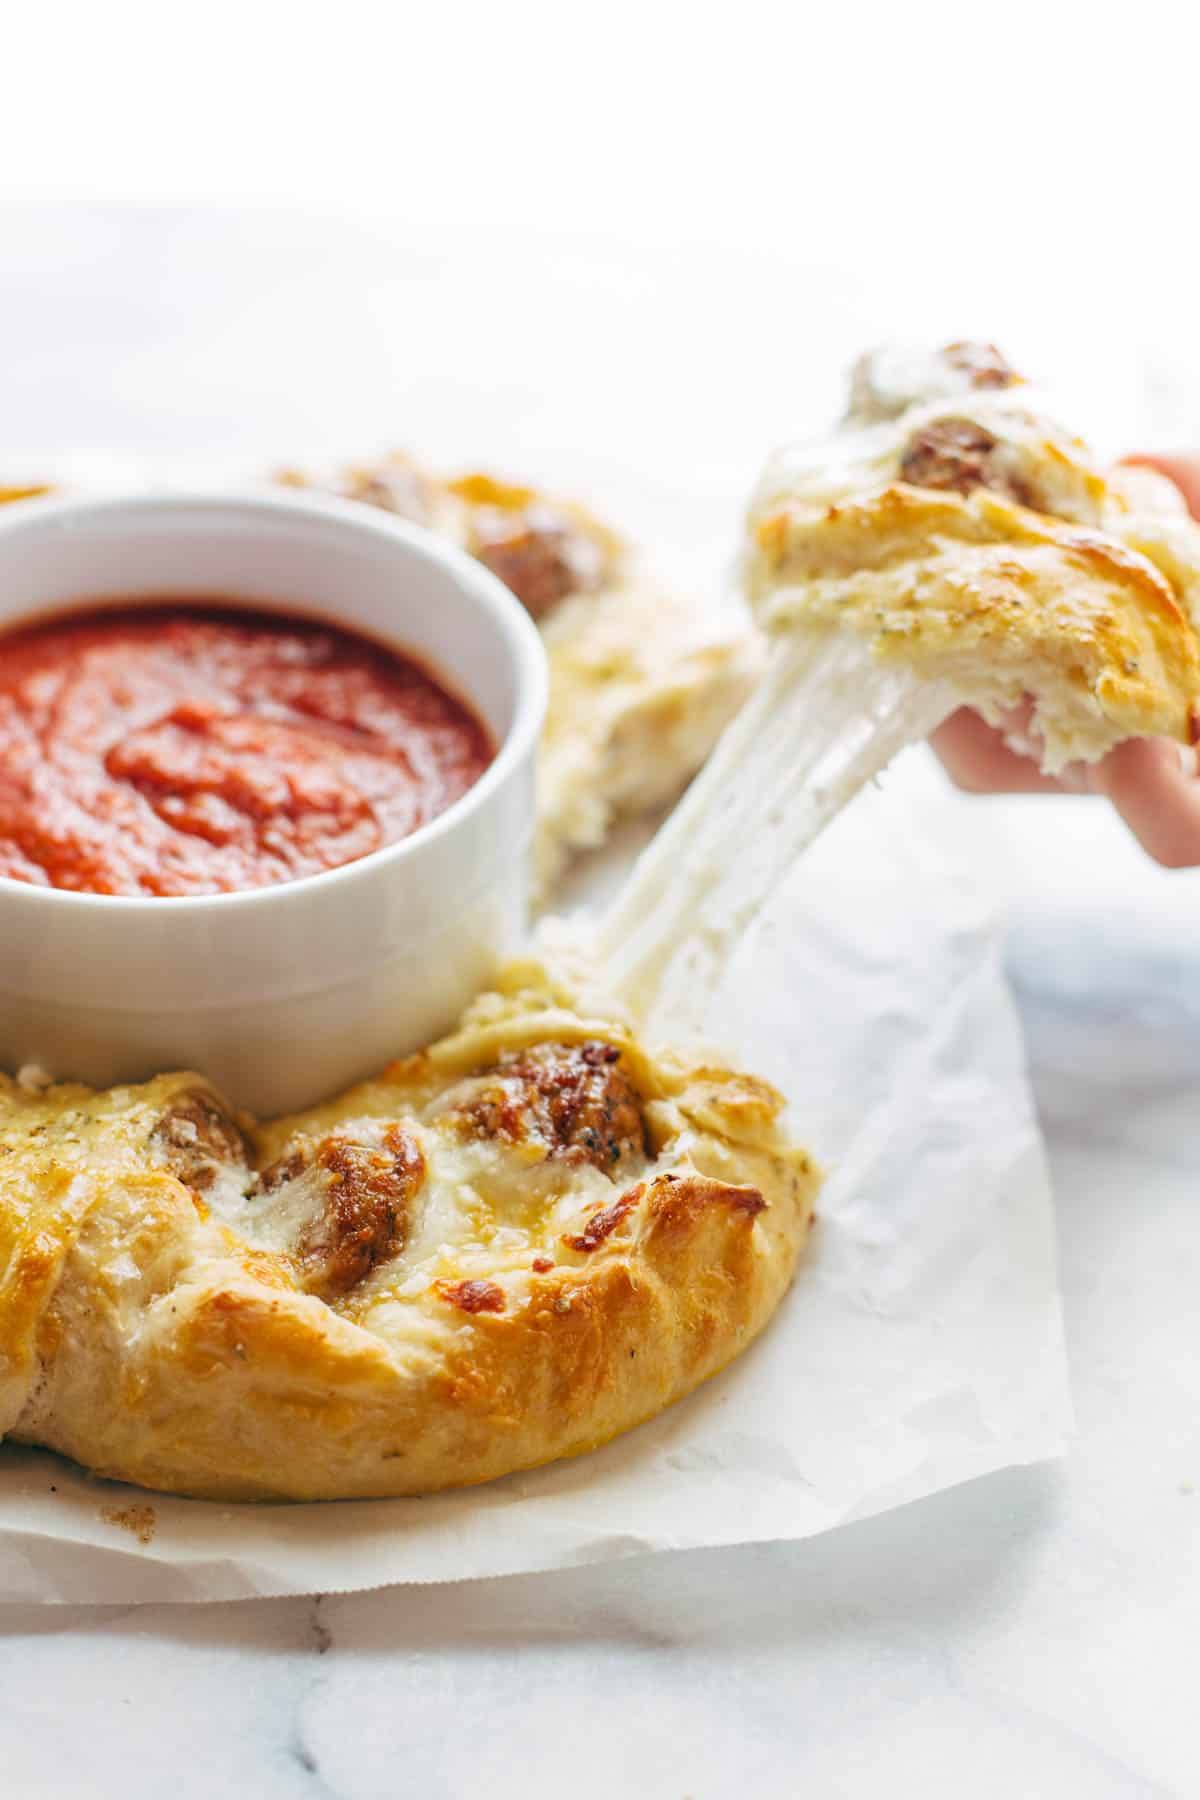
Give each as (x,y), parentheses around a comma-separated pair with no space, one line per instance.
(921,1344)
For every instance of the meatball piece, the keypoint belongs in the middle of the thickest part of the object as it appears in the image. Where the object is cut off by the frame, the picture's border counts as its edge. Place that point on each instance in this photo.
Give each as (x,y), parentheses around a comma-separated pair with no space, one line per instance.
(395,485)
(543,551)
(958,455)
(198,1141)
(538,552)
(887,381)
(353,1199)
(574,1100)
(982,364)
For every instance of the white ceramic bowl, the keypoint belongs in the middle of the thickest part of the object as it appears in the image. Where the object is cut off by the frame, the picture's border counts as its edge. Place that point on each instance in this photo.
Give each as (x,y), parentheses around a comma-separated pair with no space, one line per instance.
(282,995)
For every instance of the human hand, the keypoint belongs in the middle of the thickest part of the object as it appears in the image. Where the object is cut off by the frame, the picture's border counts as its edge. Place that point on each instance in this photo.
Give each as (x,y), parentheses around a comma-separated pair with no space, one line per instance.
(1153,783)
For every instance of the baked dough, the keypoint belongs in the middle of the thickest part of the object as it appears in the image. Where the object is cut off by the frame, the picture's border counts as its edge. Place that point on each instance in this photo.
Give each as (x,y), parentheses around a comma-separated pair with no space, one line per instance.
(506,1249)
(947,544)
(641,682)
(965,536)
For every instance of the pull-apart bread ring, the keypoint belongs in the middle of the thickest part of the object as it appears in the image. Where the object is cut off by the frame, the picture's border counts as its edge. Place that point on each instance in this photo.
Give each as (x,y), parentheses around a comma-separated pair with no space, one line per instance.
(506,1249)
(966,537)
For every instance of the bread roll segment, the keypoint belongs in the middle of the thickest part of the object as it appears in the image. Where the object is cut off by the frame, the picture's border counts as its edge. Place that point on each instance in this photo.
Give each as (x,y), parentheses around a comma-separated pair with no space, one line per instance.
(962,534)
(504,1250)
(946,545)
(642,678)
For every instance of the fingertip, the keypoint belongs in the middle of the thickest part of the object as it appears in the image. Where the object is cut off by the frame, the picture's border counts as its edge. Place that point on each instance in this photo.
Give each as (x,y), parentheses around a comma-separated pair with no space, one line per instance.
(1158,799)
(978,760)
(1182,469)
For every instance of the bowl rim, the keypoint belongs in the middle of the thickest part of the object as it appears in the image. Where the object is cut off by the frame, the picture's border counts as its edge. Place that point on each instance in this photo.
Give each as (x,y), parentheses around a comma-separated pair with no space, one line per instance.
(518,630)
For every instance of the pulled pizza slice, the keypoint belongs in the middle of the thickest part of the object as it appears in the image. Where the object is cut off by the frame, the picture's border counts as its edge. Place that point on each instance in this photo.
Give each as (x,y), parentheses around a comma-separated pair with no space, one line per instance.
(947,544)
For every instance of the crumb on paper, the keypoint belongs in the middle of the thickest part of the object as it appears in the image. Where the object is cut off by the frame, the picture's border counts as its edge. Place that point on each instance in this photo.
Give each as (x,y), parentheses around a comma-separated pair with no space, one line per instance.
(33,1079)
(321,1634)
(141,1521)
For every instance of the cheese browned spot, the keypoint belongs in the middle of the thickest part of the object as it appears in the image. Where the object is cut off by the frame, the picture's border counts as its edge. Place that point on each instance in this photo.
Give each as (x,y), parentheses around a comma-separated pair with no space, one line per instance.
(603,1222)
(472,1296)
(198,1141)
(575,1100)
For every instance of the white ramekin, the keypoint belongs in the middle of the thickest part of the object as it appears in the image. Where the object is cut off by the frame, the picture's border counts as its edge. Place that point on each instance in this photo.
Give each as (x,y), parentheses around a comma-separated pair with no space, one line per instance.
(281,995)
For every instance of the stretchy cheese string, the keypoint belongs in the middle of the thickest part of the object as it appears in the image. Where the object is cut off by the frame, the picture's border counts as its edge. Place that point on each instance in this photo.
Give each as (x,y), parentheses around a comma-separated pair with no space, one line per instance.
(826,719)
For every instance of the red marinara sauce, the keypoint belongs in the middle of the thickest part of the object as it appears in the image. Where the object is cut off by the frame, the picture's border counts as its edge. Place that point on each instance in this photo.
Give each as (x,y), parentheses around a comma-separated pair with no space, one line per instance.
(172,749)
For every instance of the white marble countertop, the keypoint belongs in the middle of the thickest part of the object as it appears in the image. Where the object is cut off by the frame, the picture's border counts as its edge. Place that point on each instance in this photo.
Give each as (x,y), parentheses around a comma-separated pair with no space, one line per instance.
(1032,1633)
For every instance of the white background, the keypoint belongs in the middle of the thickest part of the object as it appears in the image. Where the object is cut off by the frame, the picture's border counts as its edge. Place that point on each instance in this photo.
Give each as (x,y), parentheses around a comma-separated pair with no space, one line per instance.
(765,185)
(1035,154)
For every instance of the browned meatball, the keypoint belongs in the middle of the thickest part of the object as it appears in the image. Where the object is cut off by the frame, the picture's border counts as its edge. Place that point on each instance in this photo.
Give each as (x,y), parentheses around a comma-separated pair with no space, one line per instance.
(198,1141)
(538,552)
(958,455)
(575,1100)
(543,551)
(360,1203)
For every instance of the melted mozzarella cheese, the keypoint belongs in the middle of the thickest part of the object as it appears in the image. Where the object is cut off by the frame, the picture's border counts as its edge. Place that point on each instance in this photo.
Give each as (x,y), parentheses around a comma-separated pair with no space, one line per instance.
(827,718)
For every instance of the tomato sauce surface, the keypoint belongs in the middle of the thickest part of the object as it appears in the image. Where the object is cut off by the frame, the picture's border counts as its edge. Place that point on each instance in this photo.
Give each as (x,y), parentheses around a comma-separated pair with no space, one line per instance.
(174,749)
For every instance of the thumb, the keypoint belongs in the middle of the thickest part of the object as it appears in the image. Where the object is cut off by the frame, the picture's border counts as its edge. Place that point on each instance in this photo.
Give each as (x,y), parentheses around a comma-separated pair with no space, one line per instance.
(1182,469)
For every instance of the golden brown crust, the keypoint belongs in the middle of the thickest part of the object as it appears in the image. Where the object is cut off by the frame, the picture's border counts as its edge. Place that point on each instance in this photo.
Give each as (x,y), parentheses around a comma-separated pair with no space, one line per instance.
(972,540)
(504,1305)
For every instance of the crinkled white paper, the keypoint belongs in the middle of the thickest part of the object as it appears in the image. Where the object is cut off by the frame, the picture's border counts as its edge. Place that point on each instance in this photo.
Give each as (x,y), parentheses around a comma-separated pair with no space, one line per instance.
(920,1346)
